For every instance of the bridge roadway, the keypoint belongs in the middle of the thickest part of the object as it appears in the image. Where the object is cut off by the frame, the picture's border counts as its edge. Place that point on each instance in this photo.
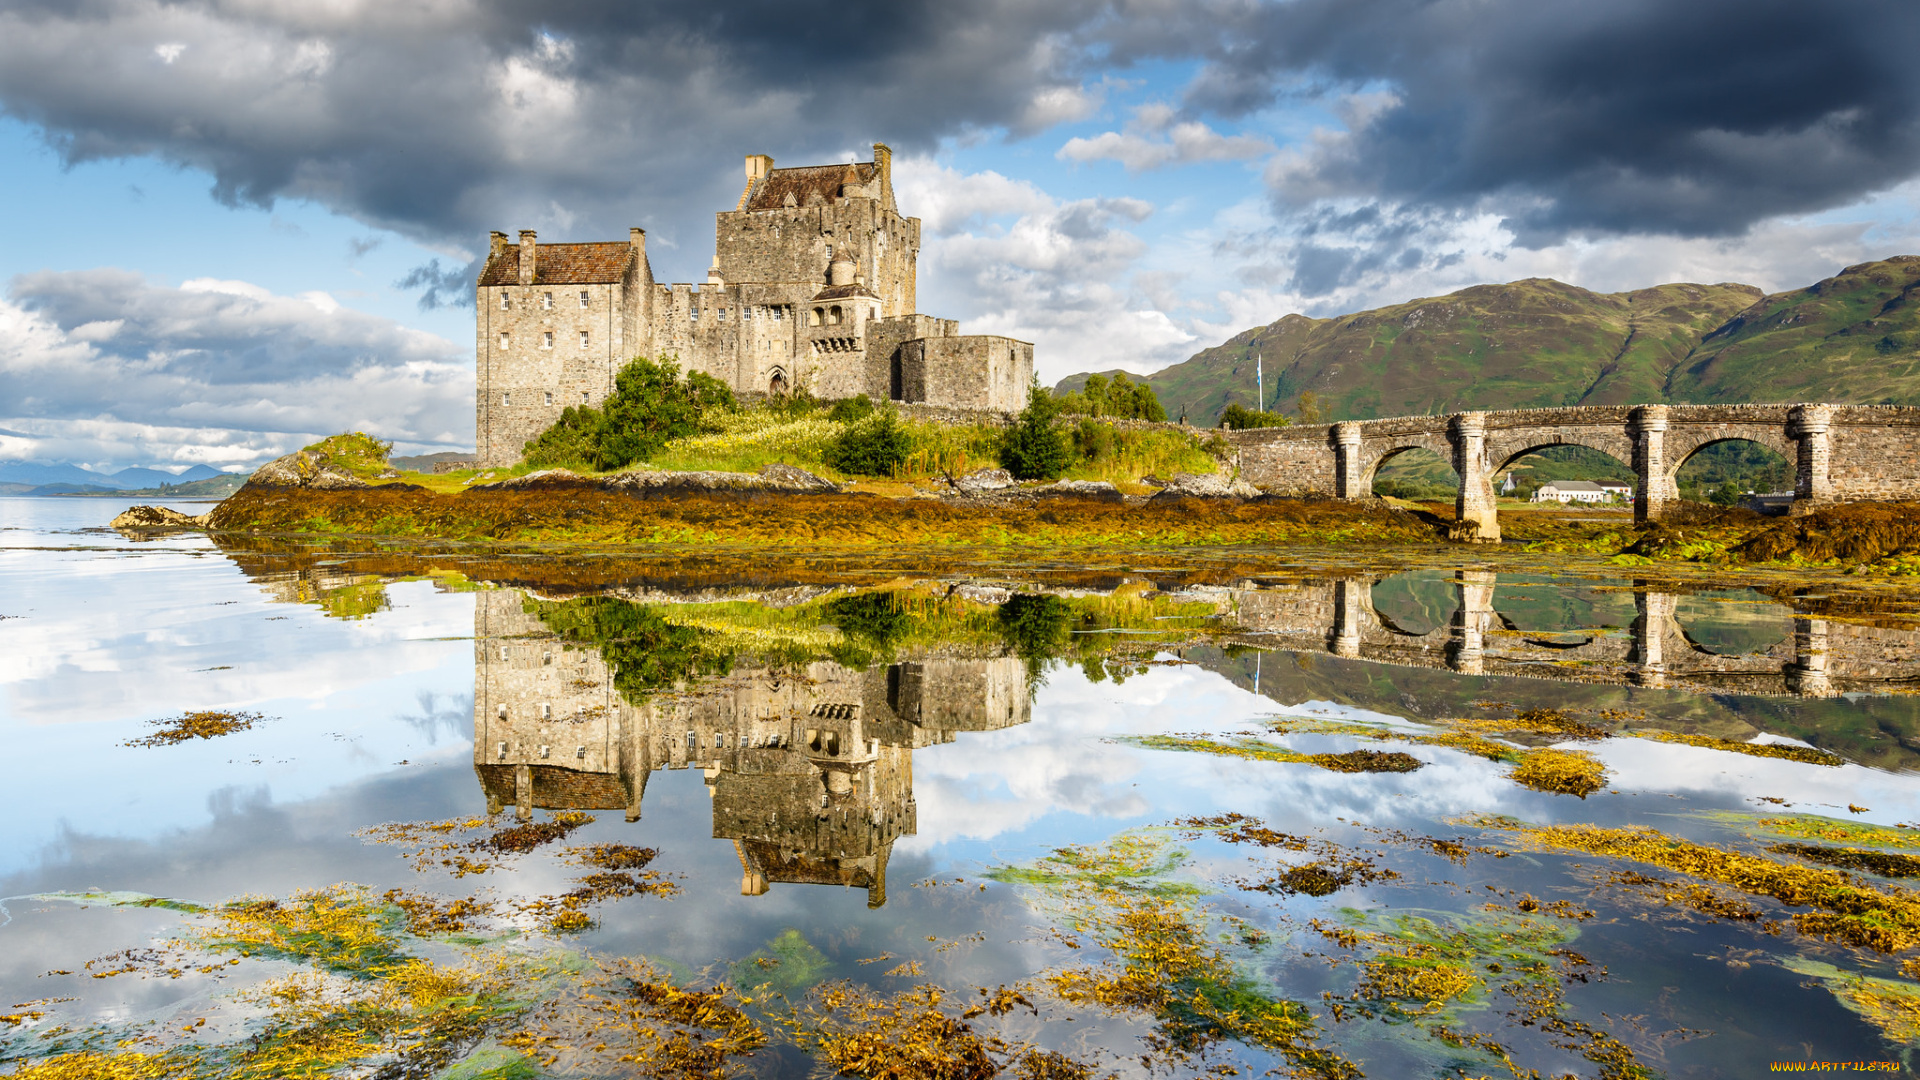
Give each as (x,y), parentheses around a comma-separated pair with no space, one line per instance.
(1820,658)
(1841,453)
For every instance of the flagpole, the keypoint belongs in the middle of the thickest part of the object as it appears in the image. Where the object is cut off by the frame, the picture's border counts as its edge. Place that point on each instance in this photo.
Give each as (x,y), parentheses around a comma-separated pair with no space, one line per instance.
(1260,385)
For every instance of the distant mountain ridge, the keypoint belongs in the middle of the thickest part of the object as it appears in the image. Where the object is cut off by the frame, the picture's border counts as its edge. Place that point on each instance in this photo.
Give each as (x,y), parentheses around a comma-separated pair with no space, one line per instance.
(1853,338)
(129,479)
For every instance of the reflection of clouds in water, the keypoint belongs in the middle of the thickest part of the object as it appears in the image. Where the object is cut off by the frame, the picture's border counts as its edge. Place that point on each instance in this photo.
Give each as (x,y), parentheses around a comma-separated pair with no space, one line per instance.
(131,639)
(995,785)
(1734,779)
(96,658)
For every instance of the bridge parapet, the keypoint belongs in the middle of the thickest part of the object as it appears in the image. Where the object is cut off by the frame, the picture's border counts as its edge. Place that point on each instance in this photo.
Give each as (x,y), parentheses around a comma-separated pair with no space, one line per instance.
(1841,453)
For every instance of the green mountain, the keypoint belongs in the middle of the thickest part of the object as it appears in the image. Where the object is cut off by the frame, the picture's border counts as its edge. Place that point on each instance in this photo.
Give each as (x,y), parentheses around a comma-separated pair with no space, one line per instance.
(1853,338)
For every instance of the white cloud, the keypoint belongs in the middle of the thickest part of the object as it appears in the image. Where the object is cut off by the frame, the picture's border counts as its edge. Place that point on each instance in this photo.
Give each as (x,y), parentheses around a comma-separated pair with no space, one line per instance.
(1153,141)
(1011,259)
(105,367)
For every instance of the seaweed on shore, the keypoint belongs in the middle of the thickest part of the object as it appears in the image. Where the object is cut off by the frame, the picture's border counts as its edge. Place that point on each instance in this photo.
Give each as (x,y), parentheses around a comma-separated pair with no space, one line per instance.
(1845,908)
(1352,761)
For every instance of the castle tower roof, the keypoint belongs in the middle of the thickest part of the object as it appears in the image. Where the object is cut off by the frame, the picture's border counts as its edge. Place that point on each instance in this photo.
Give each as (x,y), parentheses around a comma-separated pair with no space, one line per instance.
(826,182)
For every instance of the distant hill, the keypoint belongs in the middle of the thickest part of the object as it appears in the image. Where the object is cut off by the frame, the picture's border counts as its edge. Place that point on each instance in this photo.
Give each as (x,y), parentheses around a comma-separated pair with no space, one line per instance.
(18,477)
(1853,338)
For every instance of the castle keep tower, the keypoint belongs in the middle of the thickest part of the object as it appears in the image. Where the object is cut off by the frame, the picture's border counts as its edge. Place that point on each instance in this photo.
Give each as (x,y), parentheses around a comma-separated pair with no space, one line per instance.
(812,286)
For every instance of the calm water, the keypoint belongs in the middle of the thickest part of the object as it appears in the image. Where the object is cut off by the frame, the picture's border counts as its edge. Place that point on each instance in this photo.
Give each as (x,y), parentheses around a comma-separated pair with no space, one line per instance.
(841,780)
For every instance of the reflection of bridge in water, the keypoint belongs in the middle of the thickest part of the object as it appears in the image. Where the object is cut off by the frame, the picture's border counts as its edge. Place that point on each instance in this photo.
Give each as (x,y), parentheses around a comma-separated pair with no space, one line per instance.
(810,767)
(1819,658)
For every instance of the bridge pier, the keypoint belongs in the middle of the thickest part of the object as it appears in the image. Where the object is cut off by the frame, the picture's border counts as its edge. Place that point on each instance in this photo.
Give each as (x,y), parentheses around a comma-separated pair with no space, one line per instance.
(1812,428)
(1807,676)
(1648,425)
(1649,656)
(1351,597)
(1476,515)
(1348,477)
(1467,651)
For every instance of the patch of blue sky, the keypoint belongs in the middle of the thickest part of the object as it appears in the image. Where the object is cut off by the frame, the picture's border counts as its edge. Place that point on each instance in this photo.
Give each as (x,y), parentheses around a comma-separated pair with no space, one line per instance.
(162,221)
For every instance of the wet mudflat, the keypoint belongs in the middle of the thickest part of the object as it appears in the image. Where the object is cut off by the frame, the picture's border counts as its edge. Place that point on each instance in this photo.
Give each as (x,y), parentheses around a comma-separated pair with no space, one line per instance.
(297,811)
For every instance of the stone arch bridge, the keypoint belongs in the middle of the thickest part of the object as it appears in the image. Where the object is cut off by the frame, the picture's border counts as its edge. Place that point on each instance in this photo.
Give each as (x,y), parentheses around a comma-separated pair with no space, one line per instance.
(1841,453)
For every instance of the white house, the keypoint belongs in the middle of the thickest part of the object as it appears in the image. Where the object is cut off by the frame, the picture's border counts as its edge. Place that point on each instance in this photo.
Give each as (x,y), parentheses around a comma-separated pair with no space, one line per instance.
(1586,491)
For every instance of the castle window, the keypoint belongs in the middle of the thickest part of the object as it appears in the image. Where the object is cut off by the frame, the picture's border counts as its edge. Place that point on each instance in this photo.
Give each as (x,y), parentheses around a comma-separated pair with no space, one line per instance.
(694,314)
(502,712)
(583,339)
(779,312)
(546,340)
(583,397)
(549,397)
(833,315)
(693,741)
(546,711)
(503,656)
(506,398)
(583,298)
(505,341)
(546,301)
(721,315)
(506,300)
(813,318)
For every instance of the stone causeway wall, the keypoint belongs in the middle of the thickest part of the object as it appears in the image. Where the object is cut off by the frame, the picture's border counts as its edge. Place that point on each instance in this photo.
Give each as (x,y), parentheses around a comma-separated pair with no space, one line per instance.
(1841,453)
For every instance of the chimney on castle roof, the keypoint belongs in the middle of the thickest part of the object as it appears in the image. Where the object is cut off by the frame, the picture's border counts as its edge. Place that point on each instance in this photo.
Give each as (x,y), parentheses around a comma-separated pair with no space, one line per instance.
(529,251)
(497,243)
(883,182)
(758,165)
(637,239)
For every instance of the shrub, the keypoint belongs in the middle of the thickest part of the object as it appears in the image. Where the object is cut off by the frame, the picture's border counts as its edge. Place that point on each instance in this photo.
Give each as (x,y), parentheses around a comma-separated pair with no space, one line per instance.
(569,443)
(1092,439)
(651,404)
(875,446)
(1122,399)
(1238,417)
(852,410)
(1032,449)
(1034,625)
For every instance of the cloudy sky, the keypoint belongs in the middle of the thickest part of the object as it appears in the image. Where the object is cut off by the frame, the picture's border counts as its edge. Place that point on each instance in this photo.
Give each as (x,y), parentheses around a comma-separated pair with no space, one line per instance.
(235,225)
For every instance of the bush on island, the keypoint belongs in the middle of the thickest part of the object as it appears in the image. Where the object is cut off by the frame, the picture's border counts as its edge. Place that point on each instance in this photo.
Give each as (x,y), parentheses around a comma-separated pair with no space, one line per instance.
(1121,399)
(651,404)
(1238,417)
(875,446)
(1033,449)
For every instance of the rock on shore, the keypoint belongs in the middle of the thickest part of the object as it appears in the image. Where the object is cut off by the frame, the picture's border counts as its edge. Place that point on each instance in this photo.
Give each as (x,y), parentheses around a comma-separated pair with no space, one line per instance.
(156,519)
(1205,486)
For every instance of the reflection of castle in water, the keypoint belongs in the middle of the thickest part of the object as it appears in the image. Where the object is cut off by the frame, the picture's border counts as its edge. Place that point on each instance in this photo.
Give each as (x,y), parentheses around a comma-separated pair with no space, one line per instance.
(1818,658)
(810,768)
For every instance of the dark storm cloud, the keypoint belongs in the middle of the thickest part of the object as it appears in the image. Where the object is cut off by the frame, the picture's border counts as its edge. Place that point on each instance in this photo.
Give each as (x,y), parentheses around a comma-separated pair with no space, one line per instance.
(443,120)
(1635,116)
(446,118)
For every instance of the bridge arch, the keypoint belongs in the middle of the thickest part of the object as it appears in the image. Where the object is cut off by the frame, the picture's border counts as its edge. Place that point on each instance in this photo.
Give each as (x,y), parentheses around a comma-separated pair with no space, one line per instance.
(1377,452)
(1503,453)
(1781,448)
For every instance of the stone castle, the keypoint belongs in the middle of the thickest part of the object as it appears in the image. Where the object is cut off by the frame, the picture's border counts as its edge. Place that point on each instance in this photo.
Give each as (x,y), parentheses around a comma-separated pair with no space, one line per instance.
(811,287)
